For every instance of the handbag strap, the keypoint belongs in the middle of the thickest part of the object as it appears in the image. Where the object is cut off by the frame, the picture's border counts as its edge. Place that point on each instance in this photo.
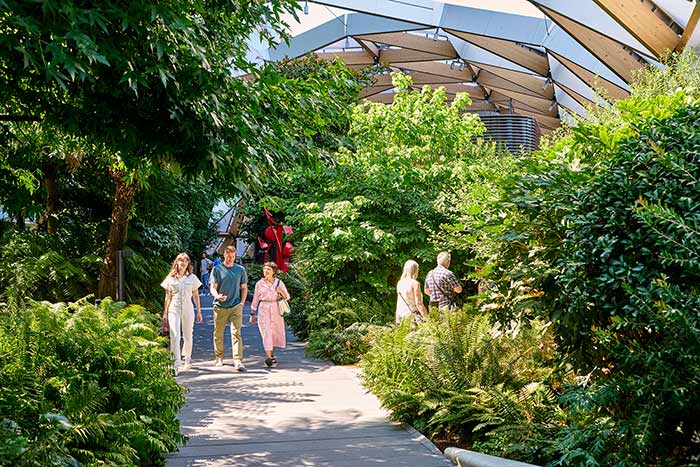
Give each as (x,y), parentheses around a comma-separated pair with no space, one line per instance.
(279,295)
(406,302)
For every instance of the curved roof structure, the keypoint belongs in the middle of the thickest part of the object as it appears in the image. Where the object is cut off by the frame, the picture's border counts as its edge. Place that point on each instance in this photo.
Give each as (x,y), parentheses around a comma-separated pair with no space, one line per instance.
(531,57)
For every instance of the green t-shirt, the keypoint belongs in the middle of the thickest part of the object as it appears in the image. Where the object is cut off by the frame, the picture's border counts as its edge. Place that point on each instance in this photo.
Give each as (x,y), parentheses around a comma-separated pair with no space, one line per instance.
(229,282)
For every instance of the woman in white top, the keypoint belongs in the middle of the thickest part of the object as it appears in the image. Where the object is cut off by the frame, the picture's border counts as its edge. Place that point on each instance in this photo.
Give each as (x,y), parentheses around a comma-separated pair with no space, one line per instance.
(409,301)
(181,287)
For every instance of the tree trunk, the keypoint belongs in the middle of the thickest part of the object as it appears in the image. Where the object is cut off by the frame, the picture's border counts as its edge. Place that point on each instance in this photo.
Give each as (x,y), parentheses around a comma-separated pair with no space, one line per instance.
(123,196)
(19,218)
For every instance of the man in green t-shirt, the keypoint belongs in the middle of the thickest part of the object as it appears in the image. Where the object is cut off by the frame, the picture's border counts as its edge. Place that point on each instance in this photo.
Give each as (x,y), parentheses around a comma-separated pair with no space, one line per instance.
(229,287)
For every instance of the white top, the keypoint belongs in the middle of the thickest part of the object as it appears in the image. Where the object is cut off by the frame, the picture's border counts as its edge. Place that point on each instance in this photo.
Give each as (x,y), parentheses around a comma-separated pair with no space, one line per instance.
(204,266)
(181,293)
(406,299)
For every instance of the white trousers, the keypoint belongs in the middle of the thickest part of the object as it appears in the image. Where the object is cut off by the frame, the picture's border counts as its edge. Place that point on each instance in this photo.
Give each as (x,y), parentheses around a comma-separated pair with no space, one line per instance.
(181,326)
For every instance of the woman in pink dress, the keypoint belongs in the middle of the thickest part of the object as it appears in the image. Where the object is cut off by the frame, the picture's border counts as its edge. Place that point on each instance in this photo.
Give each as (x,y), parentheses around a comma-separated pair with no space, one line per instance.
(265,304)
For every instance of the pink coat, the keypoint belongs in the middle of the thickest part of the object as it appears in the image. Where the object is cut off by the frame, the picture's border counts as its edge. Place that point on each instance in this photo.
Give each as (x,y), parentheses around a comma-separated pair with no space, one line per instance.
(270,323)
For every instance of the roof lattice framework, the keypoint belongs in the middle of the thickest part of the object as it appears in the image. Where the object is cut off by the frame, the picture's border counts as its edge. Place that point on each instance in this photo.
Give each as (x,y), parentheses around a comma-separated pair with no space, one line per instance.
(540,64)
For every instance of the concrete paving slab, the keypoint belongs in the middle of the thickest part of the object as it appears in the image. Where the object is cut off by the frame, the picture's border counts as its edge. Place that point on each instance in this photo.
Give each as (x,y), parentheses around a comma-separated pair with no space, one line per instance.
(303,412)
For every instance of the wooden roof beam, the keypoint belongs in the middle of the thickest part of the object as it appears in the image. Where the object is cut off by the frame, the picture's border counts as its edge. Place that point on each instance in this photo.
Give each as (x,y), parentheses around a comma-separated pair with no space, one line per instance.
(512,51)
(521,82)
(619,59)
(689,28)
(584,101)
(438,69)
(408,55)
(543,106)
(368,46)
(419,78)
(370,91)
(491,80)
(412,42)
(475,92)
(350,58)
(639,19)
(591,79)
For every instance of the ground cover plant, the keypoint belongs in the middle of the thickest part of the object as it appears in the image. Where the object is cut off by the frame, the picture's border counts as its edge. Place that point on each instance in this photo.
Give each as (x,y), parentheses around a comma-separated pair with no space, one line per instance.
(85,385)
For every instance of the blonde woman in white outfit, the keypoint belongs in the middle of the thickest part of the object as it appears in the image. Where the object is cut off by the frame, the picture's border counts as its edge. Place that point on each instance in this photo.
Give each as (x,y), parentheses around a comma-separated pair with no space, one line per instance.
(181,287)
(409,301)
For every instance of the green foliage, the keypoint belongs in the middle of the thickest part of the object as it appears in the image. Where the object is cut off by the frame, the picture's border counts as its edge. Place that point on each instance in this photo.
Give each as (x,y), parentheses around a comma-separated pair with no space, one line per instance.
(144,275)
(311,94)
(85,385)
(629,275)
(600,236)
(359,217)
(343,346)
(456,377)
(172,215)
(149,80)
(34,265)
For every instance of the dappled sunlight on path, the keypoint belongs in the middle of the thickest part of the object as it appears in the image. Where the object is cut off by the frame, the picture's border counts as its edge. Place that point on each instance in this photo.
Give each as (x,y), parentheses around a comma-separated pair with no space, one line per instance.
(303,412)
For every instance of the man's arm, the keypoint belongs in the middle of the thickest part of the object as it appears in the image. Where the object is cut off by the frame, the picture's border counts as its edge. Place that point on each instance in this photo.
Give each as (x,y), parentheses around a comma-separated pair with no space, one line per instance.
(244,292)
(426,289)
(456,286)
(214,290)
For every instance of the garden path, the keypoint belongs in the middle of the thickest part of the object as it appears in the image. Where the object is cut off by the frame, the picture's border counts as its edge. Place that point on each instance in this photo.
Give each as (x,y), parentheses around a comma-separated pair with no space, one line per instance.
(303,412)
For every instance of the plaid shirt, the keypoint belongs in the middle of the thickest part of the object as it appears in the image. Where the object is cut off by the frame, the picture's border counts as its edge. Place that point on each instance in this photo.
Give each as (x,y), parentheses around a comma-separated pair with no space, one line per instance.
(441,283)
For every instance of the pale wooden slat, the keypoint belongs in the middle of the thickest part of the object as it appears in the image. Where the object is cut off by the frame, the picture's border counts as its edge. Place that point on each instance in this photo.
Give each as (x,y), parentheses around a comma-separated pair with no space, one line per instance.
(508,50)
(412,42)
(591,79)
(610,52)
(637,17)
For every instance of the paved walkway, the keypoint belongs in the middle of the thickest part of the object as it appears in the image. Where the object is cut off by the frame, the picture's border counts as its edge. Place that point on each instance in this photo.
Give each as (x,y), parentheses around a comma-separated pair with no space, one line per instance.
(303,412)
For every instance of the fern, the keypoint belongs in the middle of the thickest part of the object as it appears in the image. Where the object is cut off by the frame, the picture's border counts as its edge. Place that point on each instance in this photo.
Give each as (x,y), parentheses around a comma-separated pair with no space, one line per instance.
(103,369)
(454,377)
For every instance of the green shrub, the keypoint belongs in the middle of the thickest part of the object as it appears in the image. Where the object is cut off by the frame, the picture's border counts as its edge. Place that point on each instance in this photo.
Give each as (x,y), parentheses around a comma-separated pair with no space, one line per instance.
(343,346)
(85,384)
(359,217)
(630,269)
(600,236)
(456,377)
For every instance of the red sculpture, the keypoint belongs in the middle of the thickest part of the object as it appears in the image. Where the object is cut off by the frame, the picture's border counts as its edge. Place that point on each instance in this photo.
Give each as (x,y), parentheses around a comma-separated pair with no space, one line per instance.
(275,235)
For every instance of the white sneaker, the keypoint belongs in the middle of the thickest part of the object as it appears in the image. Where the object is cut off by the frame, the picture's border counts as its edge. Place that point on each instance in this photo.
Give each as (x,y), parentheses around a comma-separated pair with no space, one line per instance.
(176,369)
(219,362)
(239,366)
(187,365)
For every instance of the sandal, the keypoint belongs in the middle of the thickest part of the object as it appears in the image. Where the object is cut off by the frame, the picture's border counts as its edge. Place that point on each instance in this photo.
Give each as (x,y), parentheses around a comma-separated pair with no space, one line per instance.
(269,362)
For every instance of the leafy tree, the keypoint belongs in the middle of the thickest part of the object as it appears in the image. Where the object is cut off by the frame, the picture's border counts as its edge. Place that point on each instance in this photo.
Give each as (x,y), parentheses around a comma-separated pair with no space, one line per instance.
(376,203)
(144,82)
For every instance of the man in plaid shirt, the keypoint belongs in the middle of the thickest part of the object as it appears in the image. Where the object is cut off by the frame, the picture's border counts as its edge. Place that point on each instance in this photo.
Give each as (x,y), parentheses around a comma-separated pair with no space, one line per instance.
(441,284)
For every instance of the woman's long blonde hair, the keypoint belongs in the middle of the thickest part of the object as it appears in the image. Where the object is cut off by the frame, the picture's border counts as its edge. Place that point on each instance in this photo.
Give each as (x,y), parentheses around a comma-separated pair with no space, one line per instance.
(188,271)
(410,270)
